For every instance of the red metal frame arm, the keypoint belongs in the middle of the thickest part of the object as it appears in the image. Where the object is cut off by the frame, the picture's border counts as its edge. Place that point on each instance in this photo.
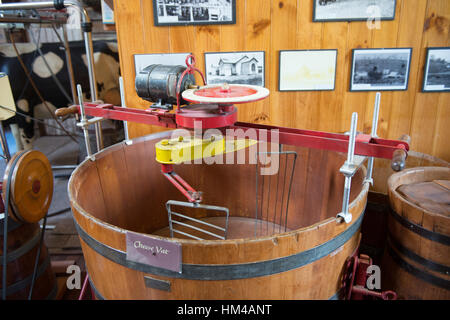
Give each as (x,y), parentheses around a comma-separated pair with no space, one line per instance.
(152,117)
(365,145)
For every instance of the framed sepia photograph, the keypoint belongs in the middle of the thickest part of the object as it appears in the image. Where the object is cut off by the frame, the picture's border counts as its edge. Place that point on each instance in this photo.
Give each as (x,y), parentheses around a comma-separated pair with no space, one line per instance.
(307,70)
(193,12)
(436,76)
(245,67)
(380,69)
(353,10)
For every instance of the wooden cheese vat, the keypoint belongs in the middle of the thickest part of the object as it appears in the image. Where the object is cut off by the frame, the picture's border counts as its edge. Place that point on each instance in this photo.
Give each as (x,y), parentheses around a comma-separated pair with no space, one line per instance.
(123,190)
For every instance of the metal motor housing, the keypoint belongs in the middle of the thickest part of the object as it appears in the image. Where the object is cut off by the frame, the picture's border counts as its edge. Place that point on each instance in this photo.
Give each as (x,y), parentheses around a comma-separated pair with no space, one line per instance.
(158,83)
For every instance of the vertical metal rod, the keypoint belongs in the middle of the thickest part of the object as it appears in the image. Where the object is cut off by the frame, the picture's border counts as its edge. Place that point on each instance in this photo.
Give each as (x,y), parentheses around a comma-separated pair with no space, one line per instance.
(268,204)
(351,143)
(170,224)
(90,63)
(256,215)
(69,63)
(276,202)
(376,112)
(348,178)
(226,225)
(346,198)
(289,191)
(83,121)
(4,143)
(282,194)
(124,105)
(93,85)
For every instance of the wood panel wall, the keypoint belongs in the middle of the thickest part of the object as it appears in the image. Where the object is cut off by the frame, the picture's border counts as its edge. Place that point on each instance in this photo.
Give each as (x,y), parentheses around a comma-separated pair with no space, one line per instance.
(271,26)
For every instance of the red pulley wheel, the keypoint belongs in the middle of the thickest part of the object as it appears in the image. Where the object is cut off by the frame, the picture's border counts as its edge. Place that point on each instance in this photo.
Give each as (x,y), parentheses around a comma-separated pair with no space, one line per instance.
(214,108)
(206,116)
(226,94)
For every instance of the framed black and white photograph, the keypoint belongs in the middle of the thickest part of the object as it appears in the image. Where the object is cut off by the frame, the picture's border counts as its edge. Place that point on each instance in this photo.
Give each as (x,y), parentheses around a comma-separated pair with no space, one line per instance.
(245,67)
(380,69)
(192,12)
(171,59)
(307,70)
(353,10)
(437,70)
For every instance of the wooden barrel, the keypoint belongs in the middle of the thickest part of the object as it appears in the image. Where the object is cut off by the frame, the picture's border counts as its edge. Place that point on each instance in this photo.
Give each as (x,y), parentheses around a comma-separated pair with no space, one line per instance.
(416,262)
(122,190)
(23,244)
(374,228)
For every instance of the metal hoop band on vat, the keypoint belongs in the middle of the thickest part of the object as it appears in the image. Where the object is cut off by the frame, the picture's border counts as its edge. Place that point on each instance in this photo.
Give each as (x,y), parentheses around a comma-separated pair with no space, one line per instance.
(228,271)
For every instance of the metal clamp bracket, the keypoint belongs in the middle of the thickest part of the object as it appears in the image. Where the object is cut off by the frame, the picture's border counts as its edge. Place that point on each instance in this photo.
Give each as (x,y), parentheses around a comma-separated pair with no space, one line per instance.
(349,169)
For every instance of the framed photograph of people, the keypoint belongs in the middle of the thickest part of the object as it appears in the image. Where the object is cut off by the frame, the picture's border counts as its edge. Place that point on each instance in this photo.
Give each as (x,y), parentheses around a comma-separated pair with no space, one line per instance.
(243,67)
(307,70)
(353,10)
(193,12)
(380,69)
(436,76)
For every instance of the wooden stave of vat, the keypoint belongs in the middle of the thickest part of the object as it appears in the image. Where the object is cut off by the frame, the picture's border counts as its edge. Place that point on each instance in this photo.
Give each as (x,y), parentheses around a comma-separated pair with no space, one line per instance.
(272,267)
(416,262)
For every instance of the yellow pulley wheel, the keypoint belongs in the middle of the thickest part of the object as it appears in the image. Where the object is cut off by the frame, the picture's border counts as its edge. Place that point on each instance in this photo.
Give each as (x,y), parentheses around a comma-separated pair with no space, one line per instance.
(30,178)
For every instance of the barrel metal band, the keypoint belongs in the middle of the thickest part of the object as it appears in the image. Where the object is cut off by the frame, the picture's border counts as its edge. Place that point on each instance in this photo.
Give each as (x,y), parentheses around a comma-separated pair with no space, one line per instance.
(97,294)
(415,257)
(30,244)
(12,225)
(421,231)
(22,284)
(229,271)
(422,275)
(53,292)
(338,295)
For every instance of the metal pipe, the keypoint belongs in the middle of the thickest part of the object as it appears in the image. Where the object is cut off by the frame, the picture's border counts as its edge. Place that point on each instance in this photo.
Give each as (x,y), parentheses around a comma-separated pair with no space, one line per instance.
(90,63)
(69,63)
(30,20)
(27,5)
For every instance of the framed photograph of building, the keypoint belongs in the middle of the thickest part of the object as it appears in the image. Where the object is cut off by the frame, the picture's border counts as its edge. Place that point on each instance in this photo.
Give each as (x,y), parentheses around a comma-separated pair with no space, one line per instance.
(353,10)
(307,70)
(245,67)
(192,12)
(436,76)
(172,59)
(380,69)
